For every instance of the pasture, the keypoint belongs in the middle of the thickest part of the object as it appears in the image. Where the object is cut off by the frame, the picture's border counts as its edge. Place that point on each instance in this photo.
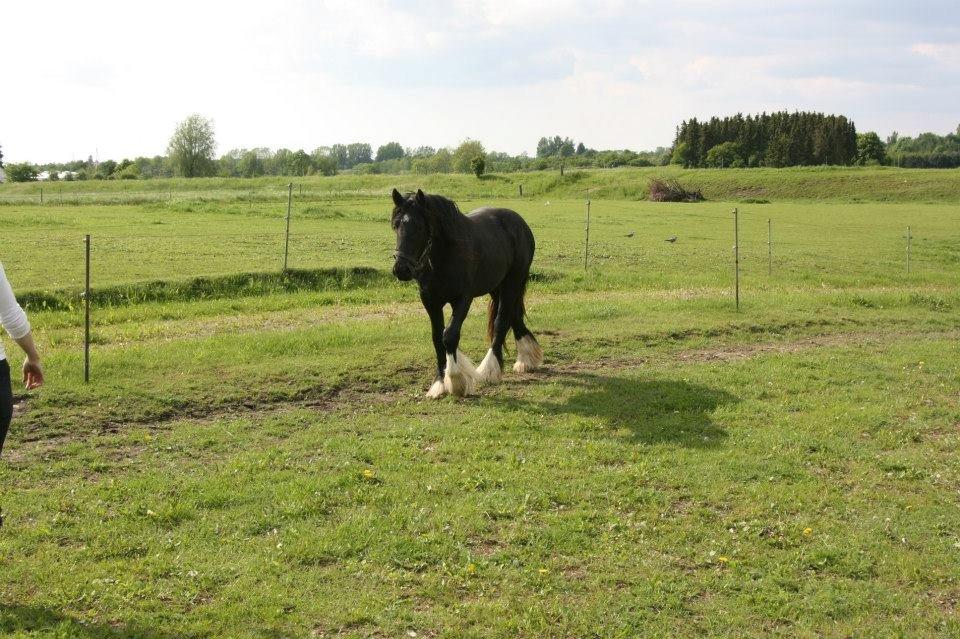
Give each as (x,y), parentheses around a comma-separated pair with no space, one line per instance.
(254,456)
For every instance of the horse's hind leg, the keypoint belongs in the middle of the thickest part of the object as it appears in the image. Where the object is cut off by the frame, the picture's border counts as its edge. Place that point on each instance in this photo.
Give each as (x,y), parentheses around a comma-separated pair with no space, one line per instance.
(503,308)
(529,353)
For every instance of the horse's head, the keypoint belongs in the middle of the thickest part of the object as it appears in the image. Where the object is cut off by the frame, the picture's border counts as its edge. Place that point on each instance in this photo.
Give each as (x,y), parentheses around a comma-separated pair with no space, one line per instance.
(411,223)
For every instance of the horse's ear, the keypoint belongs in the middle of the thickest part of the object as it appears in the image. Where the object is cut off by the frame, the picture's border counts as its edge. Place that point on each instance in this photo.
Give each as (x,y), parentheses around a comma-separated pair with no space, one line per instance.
(397,198)
(421,198)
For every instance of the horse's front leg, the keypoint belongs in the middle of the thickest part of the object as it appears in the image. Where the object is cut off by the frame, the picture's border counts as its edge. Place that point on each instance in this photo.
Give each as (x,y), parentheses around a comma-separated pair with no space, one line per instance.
(459,377)
(435,311)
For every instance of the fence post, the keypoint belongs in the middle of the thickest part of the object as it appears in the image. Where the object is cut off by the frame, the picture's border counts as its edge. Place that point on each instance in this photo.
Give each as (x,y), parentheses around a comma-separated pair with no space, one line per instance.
(769,247)
(586,245)
(909,242)
(41,195)
(286,244)
(736,255)
(521,189)
(86,315)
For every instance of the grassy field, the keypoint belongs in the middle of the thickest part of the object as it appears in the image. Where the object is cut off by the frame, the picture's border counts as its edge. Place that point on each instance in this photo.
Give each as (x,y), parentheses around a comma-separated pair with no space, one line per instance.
(849,184)
(254,457)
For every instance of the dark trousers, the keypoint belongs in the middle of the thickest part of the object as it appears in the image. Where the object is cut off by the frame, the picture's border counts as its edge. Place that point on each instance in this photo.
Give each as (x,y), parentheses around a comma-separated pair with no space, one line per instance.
(6,401)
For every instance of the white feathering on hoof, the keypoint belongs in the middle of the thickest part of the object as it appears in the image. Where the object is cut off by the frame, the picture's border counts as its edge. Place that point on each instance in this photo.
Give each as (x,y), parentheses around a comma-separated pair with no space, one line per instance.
(437,390)
(489,370)
(529,355)
(459,379)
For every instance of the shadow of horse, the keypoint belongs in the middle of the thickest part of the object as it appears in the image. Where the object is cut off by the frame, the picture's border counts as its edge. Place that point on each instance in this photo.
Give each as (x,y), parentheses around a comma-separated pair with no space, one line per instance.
(645,411)
(28,620)
(32,620)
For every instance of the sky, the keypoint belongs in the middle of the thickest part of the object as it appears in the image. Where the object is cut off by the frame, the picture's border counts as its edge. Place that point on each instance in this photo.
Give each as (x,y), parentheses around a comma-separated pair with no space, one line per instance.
(113,79)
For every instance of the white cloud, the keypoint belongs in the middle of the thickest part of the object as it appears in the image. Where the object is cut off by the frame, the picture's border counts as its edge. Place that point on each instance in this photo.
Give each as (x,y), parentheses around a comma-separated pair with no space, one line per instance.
(116,77)
(947,53)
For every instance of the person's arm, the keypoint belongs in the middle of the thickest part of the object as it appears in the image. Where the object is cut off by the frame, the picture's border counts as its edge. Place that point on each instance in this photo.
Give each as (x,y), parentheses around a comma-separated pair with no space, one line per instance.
(32,370)
(15,321)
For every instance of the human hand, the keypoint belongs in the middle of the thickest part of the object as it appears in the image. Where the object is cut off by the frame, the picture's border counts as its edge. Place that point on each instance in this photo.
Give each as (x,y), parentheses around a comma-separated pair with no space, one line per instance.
(32,373)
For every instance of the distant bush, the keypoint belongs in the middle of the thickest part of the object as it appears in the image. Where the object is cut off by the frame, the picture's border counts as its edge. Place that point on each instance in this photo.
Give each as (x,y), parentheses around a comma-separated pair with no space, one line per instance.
(22,172)
(663,190)
(478,164)
(928,160)
(366,168)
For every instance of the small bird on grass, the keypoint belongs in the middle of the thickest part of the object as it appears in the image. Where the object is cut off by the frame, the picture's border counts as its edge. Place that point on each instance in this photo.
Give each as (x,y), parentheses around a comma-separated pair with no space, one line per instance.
(671,239)
(630,234)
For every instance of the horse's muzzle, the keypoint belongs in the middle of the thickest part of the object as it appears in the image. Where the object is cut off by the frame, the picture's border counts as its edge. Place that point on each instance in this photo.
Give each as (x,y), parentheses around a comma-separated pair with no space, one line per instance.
(402,271)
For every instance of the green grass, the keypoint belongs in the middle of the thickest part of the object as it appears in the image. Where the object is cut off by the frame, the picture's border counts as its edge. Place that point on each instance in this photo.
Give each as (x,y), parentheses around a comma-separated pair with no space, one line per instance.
(850,184)
(254,456)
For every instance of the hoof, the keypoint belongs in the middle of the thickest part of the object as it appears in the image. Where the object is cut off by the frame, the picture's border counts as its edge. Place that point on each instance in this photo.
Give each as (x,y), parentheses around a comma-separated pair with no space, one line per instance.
(437,390)
(489,370)
(529,355)
(459,379)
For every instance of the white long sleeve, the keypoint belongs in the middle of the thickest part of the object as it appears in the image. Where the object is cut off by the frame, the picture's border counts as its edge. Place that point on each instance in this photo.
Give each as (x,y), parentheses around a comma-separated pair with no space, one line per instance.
(12,317)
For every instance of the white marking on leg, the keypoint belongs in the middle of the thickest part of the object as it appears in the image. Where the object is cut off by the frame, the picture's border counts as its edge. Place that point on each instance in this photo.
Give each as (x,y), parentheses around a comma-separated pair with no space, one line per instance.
(489,370)
(437,390)
(529,355)
(459,379)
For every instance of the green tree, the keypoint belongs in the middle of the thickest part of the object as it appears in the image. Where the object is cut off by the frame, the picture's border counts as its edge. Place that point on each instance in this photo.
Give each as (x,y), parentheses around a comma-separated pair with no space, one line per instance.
(323,160)
(439,162)
(390,151)
(478,164)
(250,164)
(22,172)
(870,149)
(191,149)
(358,153)
(129,172)
(682,155)
(339,153)
(105,169)
(465,153)
(725,155)
(299,163)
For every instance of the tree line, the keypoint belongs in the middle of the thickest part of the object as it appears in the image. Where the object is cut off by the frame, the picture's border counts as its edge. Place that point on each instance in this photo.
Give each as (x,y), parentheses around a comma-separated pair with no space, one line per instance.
(926,151)
(803,139)
(776,140)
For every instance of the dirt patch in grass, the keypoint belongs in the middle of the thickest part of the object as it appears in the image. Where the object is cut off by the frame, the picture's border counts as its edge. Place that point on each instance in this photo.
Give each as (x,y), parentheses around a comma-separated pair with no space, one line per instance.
(405,384)
(746,351)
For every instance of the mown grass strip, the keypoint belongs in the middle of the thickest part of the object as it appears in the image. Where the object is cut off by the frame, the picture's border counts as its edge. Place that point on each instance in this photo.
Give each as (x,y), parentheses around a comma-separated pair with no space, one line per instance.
(210,288)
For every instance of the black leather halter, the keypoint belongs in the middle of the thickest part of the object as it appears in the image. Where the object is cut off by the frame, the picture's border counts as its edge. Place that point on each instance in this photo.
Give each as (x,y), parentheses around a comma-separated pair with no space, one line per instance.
(418,265)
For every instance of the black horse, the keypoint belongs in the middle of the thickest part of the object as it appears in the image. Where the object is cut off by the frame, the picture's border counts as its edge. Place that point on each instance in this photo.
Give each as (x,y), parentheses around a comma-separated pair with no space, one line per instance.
(455,258)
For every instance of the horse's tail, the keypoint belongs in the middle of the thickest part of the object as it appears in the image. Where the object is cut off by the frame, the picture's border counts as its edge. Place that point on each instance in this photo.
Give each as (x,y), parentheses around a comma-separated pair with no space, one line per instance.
(491,318)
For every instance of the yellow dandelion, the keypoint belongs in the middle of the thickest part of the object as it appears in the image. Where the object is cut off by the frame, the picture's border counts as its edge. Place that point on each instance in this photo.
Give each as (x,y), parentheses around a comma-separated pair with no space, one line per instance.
(367,473)
(543,571)
(807,532)
(722,559)
(472,568)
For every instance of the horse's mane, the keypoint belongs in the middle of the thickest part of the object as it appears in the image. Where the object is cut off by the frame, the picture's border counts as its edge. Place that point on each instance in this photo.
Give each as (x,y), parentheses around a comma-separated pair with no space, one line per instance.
(451,222)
